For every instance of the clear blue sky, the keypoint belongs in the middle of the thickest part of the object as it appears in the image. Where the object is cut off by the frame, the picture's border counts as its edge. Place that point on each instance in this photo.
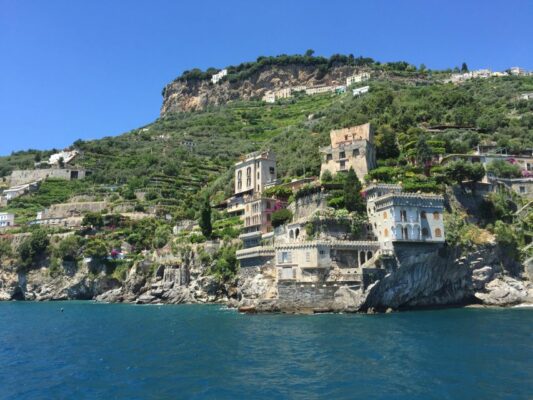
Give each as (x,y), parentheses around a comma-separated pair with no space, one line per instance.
(93,68)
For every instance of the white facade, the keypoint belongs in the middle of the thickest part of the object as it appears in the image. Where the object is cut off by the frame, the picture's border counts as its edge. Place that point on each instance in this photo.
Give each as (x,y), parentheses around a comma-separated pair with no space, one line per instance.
(6,220)
(269,97)
(357,78)
(518,71)
(360,91)
(218,76)
(66,156)
(406,217)
(254,172)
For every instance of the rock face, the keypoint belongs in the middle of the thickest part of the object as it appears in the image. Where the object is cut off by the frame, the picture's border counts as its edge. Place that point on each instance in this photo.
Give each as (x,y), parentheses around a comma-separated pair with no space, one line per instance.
(438,277)
(198,94)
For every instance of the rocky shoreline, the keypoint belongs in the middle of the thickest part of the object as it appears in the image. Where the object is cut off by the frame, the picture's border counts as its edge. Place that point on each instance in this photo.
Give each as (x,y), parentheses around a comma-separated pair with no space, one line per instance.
(479,279)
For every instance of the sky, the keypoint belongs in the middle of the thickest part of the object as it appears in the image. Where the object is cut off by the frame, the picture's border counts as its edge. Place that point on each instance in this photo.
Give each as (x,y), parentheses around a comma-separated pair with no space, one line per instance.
(94,68)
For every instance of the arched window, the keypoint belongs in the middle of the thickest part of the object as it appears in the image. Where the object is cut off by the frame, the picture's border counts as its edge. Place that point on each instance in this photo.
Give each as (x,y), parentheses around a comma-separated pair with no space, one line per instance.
(384,214)
(291,234)
(436,216)
(403,215)
(438,232)
(248,176)
(423,215)
(239,180)
(297,233)
(386,232)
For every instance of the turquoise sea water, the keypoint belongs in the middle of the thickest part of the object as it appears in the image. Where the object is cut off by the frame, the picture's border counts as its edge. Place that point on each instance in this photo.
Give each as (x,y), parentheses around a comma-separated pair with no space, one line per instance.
(114,351)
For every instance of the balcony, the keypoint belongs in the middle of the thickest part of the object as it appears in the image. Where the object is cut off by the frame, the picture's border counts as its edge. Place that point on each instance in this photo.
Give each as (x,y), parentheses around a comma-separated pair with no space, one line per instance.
(258,251)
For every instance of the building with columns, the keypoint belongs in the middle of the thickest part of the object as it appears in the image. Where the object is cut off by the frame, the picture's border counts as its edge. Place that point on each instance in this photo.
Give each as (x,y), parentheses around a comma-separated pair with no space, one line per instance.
(398,217)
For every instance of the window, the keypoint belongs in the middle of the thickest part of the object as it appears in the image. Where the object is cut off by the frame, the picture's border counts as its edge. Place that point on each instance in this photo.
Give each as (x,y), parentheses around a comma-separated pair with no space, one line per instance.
(343,164)
(522,189)
(342,154)
(329,157)
(355,152)
(384,214)
(425,232)
(386,232)
(346,137)
(438,232)
(436,216)
(284,257)
(248,176)
(403,215)
(239,180)
(423,215)
(268,205)
(272,170)
(307,256)
(322,253)
(258,175)
(269,217)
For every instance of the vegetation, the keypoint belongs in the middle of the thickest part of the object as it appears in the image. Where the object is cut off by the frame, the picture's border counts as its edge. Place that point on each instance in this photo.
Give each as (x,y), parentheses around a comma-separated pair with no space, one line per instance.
(503,169)
(280,217)
(353,201)
(205,219)
(33,248)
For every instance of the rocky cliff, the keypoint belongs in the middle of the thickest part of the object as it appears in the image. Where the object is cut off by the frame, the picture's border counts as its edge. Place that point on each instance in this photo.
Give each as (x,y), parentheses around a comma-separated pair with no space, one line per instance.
(196,94)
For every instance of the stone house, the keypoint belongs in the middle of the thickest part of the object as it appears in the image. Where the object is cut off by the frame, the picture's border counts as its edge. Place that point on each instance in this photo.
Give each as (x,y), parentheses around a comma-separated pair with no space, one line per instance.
(350,147)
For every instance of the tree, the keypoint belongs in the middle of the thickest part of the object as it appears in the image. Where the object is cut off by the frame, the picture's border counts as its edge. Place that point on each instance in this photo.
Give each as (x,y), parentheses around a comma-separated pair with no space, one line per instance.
(386,144)
(5,249)
(309,53)
(205,219)
(424,154)
(69,248)
(326,177)
(460,171)
(93,219)
(280,217)
(503,169)
(61,162)
(33,247)
(464,67)
(96,249)
(353,201)
(162,235)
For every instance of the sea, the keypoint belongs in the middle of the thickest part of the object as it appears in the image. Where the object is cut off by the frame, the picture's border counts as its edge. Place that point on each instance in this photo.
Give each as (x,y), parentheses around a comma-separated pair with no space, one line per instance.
(86,350)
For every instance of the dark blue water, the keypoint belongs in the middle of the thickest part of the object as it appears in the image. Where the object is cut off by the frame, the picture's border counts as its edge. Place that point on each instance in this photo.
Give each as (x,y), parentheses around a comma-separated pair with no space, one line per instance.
(100,351)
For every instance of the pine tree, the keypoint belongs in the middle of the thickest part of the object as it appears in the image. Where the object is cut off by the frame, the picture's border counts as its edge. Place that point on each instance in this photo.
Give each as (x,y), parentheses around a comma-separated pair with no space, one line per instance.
(464,67)
(352,193)
(205,219)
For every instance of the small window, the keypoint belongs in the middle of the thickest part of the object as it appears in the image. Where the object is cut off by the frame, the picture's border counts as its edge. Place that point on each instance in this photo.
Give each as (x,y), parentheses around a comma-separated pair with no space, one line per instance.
(438,232)
(522,189)
(272,170)
(384,214)
(269,217)
(386,232)
(425,232)
(355,152)
(342,154)
(343,164)
(436,216)
(329,157)
(258,175)
(345,137)
(423,215)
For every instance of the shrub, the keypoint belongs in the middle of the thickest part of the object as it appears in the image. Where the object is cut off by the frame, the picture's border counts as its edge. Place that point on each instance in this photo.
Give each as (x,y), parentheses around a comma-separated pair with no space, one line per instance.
(280,217)
(69,248)
(96,249)
(503,169)
(33,247)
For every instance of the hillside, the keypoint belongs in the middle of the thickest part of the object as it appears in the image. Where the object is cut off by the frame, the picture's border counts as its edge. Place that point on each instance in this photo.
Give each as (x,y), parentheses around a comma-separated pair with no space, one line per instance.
(149,189)
(182,153)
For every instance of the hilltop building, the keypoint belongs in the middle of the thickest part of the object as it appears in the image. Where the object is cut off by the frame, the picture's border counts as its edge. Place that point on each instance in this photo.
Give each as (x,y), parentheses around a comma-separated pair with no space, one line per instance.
(357,78)
(218,76)
(65,156)
(255,171)
(350,147)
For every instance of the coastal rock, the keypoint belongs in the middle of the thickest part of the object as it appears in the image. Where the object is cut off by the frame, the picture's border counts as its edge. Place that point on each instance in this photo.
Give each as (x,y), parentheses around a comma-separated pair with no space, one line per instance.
(504,291)
(347,299)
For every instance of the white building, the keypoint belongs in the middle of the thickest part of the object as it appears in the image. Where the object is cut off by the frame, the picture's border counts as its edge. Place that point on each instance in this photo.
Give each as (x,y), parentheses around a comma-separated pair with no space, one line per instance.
(6,220)
(254,172)
(66,156)
(218,76)
(361,90)
(517,71)
(357,78)
(404,217)
(269,97)
(319,90)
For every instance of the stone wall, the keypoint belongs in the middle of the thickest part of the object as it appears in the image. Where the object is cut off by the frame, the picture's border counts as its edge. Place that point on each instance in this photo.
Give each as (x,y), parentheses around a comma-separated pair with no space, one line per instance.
(298,296)
(306,206)
(20,177)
